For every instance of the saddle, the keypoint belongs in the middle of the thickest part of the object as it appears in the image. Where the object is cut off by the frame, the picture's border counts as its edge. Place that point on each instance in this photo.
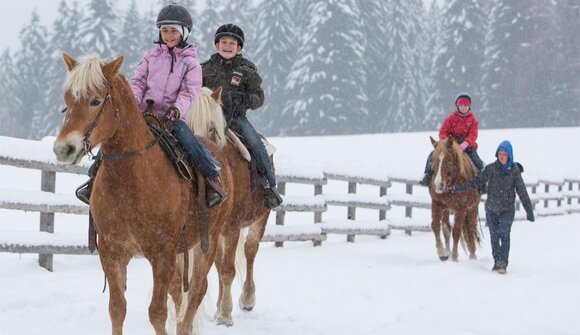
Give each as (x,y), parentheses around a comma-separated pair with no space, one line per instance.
(161,127)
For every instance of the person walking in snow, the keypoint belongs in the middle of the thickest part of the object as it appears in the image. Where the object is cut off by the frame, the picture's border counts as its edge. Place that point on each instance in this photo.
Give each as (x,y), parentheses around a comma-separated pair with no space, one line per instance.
(463,127)
(503,179)
(242,90)
(170,75)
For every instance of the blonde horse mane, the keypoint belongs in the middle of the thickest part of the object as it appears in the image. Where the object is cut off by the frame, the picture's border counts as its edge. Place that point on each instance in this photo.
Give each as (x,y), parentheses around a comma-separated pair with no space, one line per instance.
(87,76)
(466,166)
(206,118)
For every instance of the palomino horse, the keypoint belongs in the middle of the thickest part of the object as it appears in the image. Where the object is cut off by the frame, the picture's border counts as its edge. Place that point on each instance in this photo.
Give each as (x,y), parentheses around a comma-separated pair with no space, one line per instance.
(140,205)
(450,167)
(249,210)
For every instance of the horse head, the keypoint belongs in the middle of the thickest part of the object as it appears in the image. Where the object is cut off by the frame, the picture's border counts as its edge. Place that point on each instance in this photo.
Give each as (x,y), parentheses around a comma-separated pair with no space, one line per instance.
(206,116)
(448,164)
(91,111)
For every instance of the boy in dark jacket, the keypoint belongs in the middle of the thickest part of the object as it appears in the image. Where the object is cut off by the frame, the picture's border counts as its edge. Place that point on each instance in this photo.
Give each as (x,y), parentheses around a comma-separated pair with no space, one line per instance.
(242,90)
(504,179)
(463,127)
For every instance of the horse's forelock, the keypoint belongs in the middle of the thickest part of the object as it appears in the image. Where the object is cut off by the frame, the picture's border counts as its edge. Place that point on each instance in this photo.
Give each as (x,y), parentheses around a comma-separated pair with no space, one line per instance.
(87,76)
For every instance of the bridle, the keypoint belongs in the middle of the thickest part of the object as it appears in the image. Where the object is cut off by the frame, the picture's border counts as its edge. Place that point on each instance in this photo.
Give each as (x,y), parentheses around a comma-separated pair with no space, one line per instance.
(87,146)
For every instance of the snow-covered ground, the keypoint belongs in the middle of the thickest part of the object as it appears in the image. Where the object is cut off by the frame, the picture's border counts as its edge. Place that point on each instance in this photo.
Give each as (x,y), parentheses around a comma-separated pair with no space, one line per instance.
(373,286)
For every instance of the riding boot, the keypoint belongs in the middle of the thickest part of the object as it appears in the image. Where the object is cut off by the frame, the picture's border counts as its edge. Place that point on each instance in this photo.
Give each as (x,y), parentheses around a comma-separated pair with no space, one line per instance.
(426,178)
(272,197)
(214,194)
(83,192)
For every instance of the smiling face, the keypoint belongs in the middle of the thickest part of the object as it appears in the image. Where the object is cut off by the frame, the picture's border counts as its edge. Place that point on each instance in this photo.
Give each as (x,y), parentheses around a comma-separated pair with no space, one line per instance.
(503,157)
(228,47)
(170,36)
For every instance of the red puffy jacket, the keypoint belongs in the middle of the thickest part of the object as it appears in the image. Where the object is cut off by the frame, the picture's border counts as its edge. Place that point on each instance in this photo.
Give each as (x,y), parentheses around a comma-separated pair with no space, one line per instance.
(462,127)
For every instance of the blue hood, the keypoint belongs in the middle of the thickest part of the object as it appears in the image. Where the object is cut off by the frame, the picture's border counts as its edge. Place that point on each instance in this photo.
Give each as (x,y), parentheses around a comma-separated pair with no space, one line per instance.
(507,147)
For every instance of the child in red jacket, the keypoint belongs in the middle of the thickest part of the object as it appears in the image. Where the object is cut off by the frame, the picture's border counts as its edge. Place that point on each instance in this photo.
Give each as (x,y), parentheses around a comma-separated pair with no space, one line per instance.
(462,126)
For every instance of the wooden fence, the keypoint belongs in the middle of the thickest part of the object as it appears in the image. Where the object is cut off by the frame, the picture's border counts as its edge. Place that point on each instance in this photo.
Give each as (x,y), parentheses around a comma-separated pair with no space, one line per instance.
(558,198)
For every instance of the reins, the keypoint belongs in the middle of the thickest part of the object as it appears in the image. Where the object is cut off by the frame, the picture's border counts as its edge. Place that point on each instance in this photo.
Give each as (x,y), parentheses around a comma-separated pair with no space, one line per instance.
(88,146)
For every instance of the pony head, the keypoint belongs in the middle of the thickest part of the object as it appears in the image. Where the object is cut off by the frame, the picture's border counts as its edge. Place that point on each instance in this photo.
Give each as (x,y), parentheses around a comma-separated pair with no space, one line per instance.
(90,110)
(206,116)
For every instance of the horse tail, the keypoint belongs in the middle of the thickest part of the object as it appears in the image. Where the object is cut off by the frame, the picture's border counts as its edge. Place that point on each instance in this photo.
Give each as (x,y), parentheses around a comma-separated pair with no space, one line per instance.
(240,260)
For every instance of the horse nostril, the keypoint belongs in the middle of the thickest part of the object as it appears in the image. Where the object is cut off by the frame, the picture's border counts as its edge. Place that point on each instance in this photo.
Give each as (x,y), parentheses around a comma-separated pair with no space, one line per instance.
(70,150)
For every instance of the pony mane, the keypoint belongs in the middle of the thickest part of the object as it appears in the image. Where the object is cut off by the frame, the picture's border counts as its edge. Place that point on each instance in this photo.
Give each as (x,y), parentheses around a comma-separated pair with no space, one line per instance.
(87,76)
(206,118)
(466,166)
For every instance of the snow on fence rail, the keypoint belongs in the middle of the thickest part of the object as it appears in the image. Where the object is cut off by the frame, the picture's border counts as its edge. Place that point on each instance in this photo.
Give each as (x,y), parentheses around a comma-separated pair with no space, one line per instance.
(565,194)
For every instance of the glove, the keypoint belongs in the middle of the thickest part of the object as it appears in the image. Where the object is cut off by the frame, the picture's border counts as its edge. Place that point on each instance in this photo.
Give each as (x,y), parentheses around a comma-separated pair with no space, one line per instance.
(464,145)
(530,216)
(171,113)
(240,99)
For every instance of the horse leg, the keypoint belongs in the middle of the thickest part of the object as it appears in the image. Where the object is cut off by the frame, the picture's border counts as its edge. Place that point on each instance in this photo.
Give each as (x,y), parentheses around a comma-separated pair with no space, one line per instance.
(114,262)
(225,265)
(457,225)
(163,266)
(248,296)
(446,229)
(472,236)
(436,210)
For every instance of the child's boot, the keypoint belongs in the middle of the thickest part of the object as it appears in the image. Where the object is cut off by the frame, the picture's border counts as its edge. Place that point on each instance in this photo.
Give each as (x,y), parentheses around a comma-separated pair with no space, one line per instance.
(272,196)
(83,192)
(214,194)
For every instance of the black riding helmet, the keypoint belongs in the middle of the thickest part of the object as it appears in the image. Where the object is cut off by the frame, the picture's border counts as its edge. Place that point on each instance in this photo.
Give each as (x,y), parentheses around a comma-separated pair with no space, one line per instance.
(231,30)
(174,14)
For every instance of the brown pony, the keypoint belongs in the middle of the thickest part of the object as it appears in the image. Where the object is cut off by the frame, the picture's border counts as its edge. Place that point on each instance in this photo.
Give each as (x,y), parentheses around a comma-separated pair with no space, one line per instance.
(249,210)
(450,167)
(140,205)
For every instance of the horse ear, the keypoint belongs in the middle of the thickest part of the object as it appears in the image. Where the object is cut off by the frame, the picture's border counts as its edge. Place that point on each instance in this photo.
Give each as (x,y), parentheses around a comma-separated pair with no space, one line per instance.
(433,141)
(217,94)
(69,61)
(111,69)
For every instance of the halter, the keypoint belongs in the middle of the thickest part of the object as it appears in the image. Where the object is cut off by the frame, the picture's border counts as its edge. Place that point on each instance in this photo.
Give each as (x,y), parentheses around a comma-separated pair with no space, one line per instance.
(87,146)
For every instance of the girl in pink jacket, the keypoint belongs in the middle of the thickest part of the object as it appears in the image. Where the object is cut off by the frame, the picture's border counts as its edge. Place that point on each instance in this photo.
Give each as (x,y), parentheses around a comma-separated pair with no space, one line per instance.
(170,75)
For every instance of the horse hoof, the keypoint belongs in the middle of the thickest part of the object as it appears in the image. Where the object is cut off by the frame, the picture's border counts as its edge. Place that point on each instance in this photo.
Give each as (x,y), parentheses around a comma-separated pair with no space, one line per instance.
(247,306)
(222,321)
(473,257)
(443,258)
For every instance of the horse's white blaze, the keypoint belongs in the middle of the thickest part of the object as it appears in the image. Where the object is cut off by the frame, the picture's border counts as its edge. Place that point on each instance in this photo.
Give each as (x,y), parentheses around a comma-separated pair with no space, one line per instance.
(438,177)
(69,150)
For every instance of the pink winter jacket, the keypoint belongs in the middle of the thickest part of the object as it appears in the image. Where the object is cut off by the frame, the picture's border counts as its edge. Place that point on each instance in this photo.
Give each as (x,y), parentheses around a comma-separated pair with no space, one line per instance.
(154,80)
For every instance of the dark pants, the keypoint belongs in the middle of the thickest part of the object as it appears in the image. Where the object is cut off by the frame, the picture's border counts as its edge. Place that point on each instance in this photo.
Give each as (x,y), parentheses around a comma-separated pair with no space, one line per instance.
(472,153)
(253,142)
(500,226)
(199,155)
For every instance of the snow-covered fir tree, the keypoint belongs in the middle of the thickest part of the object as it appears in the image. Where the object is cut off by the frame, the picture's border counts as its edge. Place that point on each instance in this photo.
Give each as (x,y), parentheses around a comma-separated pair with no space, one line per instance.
(374,15)
(275,52)
(14,123)
(434,114)
(326,81)
(208,23)
(401,88)
(32,78)
(129,42)
(99,27)
(459,64)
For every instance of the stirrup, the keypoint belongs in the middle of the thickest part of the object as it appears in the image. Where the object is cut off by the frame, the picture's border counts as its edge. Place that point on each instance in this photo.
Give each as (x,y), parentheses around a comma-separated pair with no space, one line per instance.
(214,194)
(83,192)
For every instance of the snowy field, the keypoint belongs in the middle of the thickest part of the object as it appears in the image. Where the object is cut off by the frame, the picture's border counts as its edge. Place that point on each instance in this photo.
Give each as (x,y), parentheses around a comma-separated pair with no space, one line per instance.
(373,286)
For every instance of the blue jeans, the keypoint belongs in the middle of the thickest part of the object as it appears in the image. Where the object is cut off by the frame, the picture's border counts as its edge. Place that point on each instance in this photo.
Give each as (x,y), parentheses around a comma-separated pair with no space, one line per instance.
(199,155)
(253,142)
(500,226)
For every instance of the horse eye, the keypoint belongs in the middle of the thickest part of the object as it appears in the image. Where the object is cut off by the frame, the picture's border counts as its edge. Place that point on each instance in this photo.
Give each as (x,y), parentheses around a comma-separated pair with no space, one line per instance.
(95,102)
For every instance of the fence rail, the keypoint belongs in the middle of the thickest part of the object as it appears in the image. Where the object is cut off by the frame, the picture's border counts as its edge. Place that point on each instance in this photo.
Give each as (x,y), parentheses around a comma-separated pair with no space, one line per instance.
(558,197)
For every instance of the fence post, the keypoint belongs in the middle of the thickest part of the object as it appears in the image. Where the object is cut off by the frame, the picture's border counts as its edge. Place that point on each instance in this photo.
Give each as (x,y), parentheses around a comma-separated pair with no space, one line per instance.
(382,212)
(317,215)
(351,214)
(281,213)
(409,209)
(47,184)
(546,190)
